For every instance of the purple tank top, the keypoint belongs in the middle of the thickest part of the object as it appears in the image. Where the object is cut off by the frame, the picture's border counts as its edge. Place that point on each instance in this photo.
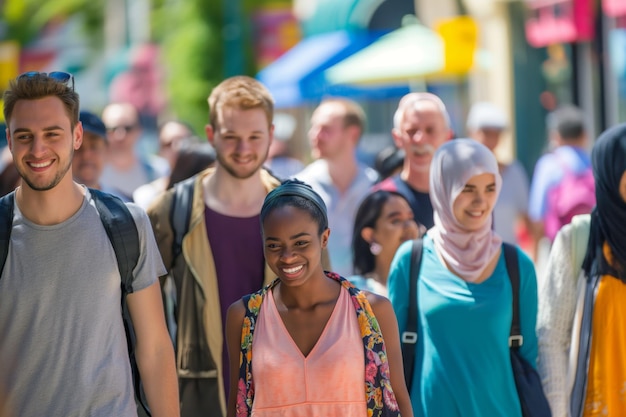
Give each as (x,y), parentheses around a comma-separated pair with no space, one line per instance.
(237,248)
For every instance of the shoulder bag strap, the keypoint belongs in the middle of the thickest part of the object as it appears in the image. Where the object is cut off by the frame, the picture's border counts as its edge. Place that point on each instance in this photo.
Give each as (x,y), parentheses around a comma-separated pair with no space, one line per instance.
(404,189)
(124,236)
(122,232)
(181,213)
(6,224)
(577,398)
(409,336)
(512,266)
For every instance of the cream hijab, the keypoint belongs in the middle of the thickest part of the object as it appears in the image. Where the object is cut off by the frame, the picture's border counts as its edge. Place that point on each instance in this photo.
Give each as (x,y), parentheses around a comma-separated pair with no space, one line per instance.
(454,163)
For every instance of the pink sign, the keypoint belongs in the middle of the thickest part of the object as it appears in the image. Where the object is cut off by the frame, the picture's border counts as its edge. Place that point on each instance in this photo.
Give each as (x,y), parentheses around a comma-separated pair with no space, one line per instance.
(614,8)
(558,21)
(276,31)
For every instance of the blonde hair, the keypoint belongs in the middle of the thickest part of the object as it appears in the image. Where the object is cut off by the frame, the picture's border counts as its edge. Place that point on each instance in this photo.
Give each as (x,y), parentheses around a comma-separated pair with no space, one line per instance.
(241,92)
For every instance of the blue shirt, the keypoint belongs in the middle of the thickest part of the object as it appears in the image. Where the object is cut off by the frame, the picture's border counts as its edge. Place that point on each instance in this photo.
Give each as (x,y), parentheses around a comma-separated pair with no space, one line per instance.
(462,362)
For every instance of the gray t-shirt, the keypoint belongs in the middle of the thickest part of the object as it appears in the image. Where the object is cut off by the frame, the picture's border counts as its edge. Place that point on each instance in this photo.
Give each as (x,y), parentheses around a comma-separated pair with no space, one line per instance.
(62,342)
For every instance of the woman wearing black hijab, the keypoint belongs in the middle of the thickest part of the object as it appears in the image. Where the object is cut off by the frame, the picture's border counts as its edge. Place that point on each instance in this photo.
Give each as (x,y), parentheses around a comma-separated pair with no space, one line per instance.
(581,323)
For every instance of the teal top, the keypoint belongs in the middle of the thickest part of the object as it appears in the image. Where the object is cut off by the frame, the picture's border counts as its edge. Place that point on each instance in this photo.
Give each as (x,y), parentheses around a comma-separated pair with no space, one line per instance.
(462,362)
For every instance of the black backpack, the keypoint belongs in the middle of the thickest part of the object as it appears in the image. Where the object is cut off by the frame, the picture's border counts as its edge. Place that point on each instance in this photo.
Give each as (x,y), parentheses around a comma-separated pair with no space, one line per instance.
(122,232)
(181,213)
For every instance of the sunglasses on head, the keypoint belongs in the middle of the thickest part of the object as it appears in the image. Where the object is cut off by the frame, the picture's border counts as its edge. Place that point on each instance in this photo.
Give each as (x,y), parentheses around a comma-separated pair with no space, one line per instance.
(60,76)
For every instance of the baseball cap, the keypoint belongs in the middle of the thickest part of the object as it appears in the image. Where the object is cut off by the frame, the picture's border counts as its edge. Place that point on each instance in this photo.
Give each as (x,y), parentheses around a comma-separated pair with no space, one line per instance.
(484,115)
(92,124)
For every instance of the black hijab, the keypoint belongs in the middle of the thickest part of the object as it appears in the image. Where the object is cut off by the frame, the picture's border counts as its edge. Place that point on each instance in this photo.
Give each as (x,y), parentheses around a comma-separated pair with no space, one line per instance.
(608,219)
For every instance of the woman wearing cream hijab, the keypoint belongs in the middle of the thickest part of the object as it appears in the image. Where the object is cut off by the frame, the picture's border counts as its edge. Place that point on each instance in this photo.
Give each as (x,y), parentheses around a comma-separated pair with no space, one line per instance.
(464,297)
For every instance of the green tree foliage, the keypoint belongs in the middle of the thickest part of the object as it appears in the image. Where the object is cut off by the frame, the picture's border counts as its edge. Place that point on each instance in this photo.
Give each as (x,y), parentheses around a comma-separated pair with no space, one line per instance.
(190,34)
(26,18)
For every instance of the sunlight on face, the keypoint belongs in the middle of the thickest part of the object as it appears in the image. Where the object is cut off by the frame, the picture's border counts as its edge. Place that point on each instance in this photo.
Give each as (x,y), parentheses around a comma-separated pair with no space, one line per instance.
(422,131)
(473,206)
(292,244)
(241,140)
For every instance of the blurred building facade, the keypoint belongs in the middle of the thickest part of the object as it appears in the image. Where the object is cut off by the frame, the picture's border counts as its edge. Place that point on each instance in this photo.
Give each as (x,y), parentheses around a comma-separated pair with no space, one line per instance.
(526,56)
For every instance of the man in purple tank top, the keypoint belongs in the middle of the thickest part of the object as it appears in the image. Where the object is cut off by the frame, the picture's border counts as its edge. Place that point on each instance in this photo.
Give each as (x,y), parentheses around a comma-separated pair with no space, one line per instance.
(221,257)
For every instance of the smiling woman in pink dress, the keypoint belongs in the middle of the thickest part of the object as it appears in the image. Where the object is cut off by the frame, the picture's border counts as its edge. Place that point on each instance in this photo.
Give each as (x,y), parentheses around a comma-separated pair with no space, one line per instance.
(320,346)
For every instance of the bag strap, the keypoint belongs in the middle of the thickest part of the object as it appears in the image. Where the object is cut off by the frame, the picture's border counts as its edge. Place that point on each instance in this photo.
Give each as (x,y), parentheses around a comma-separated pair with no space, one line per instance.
(404,189)
(516,339)
(409,336)
(577,397)
(6,224)
(181,213)
(122,232)
(124,236)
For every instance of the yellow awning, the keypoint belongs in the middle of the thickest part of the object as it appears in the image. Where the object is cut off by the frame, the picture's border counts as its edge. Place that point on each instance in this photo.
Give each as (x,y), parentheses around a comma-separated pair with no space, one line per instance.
(413,52)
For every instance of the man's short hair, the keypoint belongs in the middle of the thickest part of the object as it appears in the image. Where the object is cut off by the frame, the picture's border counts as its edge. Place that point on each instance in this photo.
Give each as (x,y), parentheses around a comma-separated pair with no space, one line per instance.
(411,99)
(40,85)
(568,121)
(354,114)
(240,92)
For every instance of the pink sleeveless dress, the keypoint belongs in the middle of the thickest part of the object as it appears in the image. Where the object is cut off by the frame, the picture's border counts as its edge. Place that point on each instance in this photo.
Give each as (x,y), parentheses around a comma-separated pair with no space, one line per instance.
(327,382)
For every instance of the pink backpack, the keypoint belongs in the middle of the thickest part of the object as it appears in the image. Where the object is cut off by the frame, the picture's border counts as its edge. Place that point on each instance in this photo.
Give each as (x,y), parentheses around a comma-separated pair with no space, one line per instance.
(574,194)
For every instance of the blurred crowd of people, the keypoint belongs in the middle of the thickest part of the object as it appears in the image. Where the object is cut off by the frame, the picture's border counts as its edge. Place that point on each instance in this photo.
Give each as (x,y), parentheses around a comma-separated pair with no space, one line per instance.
(233,215)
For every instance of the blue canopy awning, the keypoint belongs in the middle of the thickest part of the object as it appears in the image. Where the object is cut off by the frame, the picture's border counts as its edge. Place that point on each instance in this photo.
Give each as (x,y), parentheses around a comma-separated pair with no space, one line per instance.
(297,77)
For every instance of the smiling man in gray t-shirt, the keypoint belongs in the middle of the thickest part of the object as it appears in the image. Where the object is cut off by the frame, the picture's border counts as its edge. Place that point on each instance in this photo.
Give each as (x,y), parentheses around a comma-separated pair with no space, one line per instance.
(62,342)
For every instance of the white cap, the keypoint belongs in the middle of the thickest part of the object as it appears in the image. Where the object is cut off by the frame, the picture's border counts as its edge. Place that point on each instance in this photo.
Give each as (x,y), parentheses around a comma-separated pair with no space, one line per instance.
(284,126)
(484,115)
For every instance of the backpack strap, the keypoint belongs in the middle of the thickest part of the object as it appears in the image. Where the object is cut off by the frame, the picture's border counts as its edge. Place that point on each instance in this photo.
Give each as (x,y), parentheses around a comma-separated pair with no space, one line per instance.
(516,339)
(403,188)
(180,213)
(6,224)
(409,336)
(122,232)
(124,236)
(579,388)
